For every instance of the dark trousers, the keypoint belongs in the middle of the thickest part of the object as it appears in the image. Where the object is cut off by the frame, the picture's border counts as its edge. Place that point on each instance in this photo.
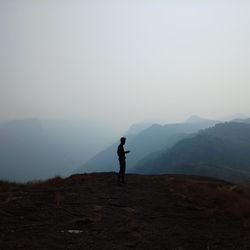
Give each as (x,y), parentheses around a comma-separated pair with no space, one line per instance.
(121,174)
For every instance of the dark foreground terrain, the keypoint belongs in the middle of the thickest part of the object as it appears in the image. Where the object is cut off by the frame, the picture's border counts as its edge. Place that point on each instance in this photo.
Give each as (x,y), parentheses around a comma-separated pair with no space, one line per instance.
(92,211)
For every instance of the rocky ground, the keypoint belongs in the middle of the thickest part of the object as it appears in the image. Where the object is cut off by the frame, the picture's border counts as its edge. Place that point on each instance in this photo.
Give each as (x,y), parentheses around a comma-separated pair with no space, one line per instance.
(92,211)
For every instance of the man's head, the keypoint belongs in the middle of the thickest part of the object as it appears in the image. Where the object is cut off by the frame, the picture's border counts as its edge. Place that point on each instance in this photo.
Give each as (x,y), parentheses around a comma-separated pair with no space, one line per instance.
(123,140)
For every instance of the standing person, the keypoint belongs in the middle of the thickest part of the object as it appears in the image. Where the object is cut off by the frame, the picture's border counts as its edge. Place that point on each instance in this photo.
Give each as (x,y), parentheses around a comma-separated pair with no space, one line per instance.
(122,160)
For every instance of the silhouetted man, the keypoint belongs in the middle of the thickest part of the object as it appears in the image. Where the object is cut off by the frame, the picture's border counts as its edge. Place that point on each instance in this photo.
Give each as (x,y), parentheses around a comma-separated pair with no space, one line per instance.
(122,160)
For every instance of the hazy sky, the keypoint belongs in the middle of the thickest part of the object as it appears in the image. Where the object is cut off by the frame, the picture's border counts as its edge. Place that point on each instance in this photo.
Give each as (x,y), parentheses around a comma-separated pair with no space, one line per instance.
(124,61)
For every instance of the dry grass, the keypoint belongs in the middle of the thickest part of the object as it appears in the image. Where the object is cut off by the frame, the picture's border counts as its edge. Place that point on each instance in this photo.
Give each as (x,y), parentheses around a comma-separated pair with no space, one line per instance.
(55,182)
(230,199)
(6,186)
(221,197)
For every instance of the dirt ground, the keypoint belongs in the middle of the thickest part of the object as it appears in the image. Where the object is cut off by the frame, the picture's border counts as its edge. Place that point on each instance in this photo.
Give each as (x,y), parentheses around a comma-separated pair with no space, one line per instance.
(93,211)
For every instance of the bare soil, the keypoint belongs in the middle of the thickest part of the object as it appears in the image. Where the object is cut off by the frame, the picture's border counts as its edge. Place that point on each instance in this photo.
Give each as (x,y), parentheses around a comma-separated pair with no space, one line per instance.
(93,211)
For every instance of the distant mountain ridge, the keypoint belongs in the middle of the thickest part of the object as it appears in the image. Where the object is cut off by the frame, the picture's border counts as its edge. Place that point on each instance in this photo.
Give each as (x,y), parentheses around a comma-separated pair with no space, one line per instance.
(153,139)
(138,127)
(198,119)
(37,149)
(247,120)
(222,151)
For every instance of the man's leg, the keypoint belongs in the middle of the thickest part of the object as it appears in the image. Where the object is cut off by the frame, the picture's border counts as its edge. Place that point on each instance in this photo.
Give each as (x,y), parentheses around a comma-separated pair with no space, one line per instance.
(120,171)
(123,169)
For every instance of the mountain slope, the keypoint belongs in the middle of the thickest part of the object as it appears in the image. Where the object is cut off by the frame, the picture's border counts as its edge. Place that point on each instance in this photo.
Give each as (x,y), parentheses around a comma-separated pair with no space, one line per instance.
(221,151)
(152,139)
(247,120)
(37,149)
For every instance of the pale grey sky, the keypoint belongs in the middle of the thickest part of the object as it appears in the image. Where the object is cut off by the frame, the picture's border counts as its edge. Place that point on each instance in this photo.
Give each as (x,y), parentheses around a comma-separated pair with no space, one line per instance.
(124,61)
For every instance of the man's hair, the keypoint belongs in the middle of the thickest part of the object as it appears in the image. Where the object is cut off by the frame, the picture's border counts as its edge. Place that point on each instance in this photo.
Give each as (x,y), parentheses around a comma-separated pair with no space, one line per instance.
(123,139)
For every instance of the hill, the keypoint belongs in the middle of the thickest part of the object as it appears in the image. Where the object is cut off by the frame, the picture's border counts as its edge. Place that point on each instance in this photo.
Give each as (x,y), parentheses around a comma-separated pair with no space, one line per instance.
(222,151)
(34,148)
(247,120)
(138,127)
(153,139)
(198,119)
(91,211)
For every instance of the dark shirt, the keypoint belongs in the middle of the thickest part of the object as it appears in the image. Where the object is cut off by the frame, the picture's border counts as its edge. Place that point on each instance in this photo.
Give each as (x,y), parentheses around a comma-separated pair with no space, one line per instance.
(121,153)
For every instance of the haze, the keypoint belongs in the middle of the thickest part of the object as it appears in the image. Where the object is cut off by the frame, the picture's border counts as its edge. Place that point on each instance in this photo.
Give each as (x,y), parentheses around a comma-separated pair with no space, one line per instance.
(120,62)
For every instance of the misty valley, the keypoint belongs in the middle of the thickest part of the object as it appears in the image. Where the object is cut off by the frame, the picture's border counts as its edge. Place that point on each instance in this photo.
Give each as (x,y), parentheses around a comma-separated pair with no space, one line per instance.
(34,149)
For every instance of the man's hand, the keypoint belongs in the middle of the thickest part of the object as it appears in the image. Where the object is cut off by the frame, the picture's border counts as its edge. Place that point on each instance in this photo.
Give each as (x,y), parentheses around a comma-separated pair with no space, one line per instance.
(126,152)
